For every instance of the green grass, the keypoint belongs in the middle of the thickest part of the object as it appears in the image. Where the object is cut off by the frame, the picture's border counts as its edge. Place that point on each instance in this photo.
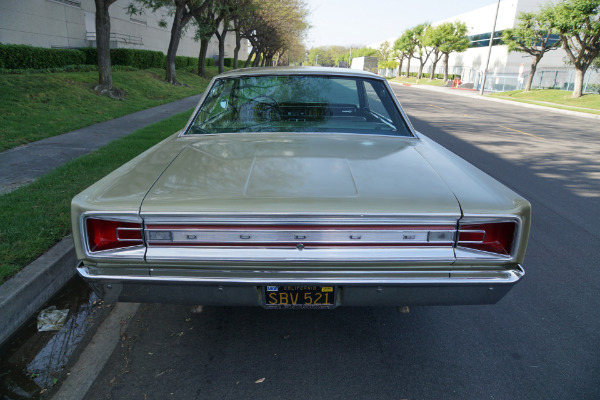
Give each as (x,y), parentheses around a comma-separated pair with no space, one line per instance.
(37,106)
(589,103)
(414,81)
(37,216)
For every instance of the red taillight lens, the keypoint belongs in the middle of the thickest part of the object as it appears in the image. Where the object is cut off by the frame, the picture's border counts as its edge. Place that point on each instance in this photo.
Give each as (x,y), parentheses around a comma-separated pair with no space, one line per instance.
(493,237)
(107,234)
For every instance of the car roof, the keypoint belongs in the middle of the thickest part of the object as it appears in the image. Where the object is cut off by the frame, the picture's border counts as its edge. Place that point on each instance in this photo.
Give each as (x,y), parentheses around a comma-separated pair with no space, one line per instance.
(299,71)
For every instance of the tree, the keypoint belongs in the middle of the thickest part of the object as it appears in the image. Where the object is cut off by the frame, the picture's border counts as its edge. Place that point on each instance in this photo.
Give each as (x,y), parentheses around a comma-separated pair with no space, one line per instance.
(453,39)
(105,82)
(182,10)
(531,35)
(406,44)
(422,50)
(206,24)
(578,23)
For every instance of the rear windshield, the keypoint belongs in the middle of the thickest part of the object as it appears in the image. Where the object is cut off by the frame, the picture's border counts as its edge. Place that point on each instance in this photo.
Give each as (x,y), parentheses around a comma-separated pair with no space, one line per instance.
(299,104)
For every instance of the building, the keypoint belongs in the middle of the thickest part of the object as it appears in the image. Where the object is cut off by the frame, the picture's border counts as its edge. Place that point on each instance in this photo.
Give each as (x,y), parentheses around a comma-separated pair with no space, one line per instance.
(506,71)
(72,24)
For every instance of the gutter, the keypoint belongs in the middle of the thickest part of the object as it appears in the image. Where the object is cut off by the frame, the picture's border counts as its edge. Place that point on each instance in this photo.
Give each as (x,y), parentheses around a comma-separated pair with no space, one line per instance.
(23,295)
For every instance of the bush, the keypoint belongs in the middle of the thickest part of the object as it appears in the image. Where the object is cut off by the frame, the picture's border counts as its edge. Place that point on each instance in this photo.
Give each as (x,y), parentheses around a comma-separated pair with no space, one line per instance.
(183,62)
(91,55)
(141,59)
(228,62)
(210,62)
(17,56)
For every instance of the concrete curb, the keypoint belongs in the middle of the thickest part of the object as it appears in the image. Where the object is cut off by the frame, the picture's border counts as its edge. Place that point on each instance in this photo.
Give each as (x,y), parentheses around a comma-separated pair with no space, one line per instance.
(477,96)
(22,295)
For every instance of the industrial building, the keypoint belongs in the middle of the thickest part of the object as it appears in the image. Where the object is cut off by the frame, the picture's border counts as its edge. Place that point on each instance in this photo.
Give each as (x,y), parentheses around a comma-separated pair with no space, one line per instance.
(72,24)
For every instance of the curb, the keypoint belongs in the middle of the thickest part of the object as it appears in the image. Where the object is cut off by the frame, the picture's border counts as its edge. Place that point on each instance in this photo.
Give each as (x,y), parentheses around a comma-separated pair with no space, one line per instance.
(22,295)
(477,96)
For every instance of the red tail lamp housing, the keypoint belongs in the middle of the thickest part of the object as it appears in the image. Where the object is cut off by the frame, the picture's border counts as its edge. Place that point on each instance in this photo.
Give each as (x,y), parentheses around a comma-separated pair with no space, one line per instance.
(104,234)
(492,237)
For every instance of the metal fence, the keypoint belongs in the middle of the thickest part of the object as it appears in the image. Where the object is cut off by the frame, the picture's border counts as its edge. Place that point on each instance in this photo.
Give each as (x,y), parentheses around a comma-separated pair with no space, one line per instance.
(563,79)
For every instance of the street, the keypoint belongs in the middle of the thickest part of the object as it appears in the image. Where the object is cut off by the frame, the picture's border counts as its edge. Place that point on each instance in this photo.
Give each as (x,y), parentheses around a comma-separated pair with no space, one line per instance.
(542,341)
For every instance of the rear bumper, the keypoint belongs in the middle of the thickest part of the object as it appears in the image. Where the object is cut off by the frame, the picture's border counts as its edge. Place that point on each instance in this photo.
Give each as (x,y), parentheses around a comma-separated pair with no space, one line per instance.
(355,288)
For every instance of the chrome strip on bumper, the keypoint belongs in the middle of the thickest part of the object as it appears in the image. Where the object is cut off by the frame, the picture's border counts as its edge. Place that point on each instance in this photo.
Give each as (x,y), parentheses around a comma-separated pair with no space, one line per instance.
(355,278)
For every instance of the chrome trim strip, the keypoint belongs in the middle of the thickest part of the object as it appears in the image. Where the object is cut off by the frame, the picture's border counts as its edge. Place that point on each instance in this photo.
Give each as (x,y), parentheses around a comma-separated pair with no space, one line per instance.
(279,255)
(186,218)
(333,235)
(466,277)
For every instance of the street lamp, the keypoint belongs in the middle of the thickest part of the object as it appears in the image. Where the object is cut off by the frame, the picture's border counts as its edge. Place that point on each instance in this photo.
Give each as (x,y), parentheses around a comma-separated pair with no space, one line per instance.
(487,62)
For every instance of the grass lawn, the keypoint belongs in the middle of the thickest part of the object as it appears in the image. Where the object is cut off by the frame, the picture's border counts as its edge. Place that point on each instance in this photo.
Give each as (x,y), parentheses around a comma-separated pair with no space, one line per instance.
(37,106)
(589,103)
(37,216)
(414,81)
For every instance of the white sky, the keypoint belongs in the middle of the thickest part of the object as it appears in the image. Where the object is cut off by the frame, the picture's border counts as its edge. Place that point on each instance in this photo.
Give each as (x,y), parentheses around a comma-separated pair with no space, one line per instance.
(362,22)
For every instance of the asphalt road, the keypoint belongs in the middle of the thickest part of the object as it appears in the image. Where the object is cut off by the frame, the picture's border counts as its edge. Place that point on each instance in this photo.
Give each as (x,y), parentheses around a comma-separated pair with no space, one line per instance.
(540,342)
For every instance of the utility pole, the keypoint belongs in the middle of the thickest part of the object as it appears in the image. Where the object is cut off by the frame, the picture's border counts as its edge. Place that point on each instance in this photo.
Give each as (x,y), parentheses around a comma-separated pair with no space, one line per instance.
(487,62)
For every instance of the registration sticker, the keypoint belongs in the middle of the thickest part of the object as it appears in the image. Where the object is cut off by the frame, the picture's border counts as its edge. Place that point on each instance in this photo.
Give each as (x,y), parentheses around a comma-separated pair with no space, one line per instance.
(272,288)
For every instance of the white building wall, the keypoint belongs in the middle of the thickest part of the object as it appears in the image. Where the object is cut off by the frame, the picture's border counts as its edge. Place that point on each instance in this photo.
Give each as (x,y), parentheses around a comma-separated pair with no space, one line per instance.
(52,23)
(471,63)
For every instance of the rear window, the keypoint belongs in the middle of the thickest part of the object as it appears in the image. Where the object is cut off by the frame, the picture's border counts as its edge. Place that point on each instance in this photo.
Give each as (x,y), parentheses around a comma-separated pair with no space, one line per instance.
(299,104)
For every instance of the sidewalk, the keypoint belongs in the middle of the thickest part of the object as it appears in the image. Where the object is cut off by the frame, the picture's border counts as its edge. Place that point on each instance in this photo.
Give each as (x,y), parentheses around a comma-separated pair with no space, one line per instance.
(21,165)
(22,295)
(477,96)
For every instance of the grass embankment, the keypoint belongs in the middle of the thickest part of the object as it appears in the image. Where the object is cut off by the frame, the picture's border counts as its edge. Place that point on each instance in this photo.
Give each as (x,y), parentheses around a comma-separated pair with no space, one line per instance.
(589,103)
(37,106)
(37,216)
(414,81)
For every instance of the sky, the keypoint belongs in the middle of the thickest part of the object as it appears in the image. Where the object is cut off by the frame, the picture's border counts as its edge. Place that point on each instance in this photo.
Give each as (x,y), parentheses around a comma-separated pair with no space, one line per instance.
(362,22)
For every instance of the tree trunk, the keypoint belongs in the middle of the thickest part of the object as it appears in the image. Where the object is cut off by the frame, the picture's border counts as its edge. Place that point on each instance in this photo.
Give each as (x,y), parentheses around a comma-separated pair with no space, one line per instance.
(420,73)
(408,68)
(400,67)
(257,57)
(436,58)
(202,57)
(105,82)
(578,88)
(446,56)
(263,59)
(249,59)
(236,50)
(180,19)
(221,39)
(534,64)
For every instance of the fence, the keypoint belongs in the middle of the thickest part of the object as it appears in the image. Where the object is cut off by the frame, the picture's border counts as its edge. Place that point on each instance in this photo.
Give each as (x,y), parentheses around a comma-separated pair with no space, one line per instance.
(543,79)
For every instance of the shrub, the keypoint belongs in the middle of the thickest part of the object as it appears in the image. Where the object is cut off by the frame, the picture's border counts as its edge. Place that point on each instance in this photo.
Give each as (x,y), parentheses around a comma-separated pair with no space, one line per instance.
(141,59)
(228,62)
(183,62)
(17,56)
(210,62)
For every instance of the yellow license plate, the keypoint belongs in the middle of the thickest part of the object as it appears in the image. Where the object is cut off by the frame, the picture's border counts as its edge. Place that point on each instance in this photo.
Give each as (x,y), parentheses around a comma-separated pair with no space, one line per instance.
(283,296)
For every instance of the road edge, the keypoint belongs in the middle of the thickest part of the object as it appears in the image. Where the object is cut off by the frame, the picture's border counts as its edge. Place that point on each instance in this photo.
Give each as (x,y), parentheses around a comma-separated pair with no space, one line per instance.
(515,103)
(23,294)
(91,361)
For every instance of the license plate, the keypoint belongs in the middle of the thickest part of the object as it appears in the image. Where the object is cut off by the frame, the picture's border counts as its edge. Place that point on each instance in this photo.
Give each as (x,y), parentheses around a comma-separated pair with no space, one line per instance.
(299,296)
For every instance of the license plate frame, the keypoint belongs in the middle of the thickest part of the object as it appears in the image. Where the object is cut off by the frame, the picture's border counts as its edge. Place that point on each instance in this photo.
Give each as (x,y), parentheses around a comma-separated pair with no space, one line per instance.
(299,296)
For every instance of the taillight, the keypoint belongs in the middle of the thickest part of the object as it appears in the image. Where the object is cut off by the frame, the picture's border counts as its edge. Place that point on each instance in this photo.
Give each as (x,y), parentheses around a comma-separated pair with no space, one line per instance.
(493,237)
(104,234)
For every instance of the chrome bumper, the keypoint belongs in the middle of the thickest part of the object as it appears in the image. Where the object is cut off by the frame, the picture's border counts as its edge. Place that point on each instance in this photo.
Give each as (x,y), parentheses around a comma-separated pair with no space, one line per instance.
(355,288)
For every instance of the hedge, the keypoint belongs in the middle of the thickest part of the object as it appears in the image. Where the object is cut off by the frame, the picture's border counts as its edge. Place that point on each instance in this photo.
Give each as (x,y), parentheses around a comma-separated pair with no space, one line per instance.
(22,58)
(228,62)
(18,56)
(141,59)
